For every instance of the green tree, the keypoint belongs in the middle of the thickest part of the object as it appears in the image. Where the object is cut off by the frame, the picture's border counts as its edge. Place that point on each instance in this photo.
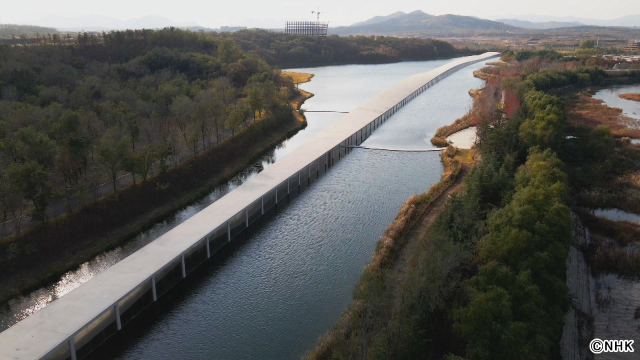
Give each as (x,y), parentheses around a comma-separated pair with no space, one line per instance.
(12,202)
(255,100)
(587,44)
(237,116)
(182,115)
(112,153)
(33,181)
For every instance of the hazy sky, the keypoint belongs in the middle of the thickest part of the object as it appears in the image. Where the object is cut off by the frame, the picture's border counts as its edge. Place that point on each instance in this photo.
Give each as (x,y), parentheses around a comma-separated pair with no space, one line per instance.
(338,12)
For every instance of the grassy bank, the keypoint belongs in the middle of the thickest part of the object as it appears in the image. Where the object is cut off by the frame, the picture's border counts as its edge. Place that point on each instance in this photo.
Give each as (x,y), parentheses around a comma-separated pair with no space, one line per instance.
(41,256)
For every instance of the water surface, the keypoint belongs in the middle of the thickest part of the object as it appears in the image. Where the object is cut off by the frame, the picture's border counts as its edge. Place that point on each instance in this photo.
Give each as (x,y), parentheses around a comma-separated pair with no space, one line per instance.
(610,97)
(617,215)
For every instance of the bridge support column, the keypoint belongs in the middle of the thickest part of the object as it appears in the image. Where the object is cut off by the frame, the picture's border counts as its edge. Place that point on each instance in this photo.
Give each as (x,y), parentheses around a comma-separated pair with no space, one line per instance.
(118,322)
(154,294)
(228,231)
(184,269)
(207,245)
(72,349)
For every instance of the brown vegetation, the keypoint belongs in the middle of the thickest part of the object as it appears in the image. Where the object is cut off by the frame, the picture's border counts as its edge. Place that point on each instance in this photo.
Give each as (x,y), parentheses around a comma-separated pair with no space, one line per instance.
(630,96)
(296,77)
(483,108)
(582,109)
(480,74)
(608,257)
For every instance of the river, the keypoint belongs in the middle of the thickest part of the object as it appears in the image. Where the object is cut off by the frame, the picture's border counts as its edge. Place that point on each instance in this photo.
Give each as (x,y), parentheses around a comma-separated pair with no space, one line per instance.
(610,96)
(272,295)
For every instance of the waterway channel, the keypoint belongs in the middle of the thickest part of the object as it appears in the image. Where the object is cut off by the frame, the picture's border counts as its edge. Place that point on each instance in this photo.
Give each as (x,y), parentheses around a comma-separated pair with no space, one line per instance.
(287,283)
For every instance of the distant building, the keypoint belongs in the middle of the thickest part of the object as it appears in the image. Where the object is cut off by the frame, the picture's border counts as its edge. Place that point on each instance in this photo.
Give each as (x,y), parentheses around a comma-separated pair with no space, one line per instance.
(312,28)
(633,46)
(621,66)
(232,28)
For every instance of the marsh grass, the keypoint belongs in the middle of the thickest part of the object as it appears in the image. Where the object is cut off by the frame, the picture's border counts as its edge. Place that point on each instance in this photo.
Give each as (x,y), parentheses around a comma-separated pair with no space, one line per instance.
(296,77)
(630,96)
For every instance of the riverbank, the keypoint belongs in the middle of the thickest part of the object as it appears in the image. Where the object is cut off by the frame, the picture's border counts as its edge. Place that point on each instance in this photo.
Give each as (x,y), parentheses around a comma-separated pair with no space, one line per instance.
(378,294)
(104,225)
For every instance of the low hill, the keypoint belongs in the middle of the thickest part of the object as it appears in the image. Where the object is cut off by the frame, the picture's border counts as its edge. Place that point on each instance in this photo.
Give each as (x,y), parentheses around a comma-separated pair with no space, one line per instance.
(540,25)
(10,30)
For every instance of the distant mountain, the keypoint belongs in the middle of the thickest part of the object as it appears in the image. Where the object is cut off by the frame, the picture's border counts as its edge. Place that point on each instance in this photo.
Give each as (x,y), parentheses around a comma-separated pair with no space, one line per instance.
(540,25)
(625,21)
(379,19)
(100,22)
(420,23)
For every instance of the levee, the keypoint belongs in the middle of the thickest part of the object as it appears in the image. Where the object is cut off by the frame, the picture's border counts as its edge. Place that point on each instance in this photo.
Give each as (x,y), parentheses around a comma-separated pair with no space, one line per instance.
(74,325)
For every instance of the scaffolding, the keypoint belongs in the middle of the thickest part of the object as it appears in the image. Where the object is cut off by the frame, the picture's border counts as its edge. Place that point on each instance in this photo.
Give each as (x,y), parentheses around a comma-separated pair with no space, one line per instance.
(312,28)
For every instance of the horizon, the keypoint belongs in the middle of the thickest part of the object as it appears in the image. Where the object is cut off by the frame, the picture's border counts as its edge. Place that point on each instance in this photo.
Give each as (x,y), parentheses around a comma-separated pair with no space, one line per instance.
(67,13)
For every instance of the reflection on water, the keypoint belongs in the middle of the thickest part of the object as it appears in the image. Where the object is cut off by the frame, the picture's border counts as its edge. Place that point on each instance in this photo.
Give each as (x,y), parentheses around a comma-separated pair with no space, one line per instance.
(617,215)
(335,88)
(610,97)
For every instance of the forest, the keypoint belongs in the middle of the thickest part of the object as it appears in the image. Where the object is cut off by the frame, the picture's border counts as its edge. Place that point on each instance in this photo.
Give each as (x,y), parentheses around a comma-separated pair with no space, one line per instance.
(74,117)
(287,50)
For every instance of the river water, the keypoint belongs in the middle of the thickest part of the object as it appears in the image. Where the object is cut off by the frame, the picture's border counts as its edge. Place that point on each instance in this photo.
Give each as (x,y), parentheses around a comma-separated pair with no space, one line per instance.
(610,97)
(272,295)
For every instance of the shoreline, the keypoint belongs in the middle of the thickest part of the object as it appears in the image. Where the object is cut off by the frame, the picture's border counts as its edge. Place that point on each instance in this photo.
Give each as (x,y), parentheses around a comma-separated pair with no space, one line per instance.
(390,258)
(33,279)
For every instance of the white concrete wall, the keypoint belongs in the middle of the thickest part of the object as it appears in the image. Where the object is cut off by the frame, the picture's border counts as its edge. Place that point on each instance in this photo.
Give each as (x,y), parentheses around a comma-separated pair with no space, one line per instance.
(100,306)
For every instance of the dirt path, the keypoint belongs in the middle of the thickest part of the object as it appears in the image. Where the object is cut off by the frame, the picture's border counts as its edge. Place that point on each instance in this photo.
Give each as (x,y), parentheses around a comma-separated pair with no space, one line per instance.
(419,230)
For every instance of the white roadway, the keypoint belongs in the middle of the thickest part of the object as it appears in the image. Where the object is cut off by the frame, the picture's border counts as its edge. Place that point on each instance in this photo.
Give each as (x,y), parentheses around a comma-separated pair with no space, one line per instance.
(39,334)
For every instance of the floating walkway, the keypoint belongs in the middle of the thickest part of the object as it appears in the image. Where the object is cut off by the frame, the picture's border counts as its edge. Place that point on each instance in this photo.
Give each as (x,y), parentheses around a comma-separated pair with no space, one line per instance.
(76,324)
(389,149)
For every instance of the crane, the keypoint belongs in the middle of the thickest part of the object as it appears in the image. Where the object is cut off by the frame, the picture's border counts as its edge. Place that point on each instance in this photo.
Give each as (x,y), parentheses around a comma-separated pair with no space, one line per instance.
(317,14)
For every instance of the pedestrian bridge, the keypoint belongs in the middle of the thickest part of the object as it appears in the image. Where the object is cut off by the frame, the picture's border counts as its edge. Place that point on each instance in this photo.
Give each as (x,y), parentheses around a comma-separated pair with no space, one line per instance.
(74,325)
